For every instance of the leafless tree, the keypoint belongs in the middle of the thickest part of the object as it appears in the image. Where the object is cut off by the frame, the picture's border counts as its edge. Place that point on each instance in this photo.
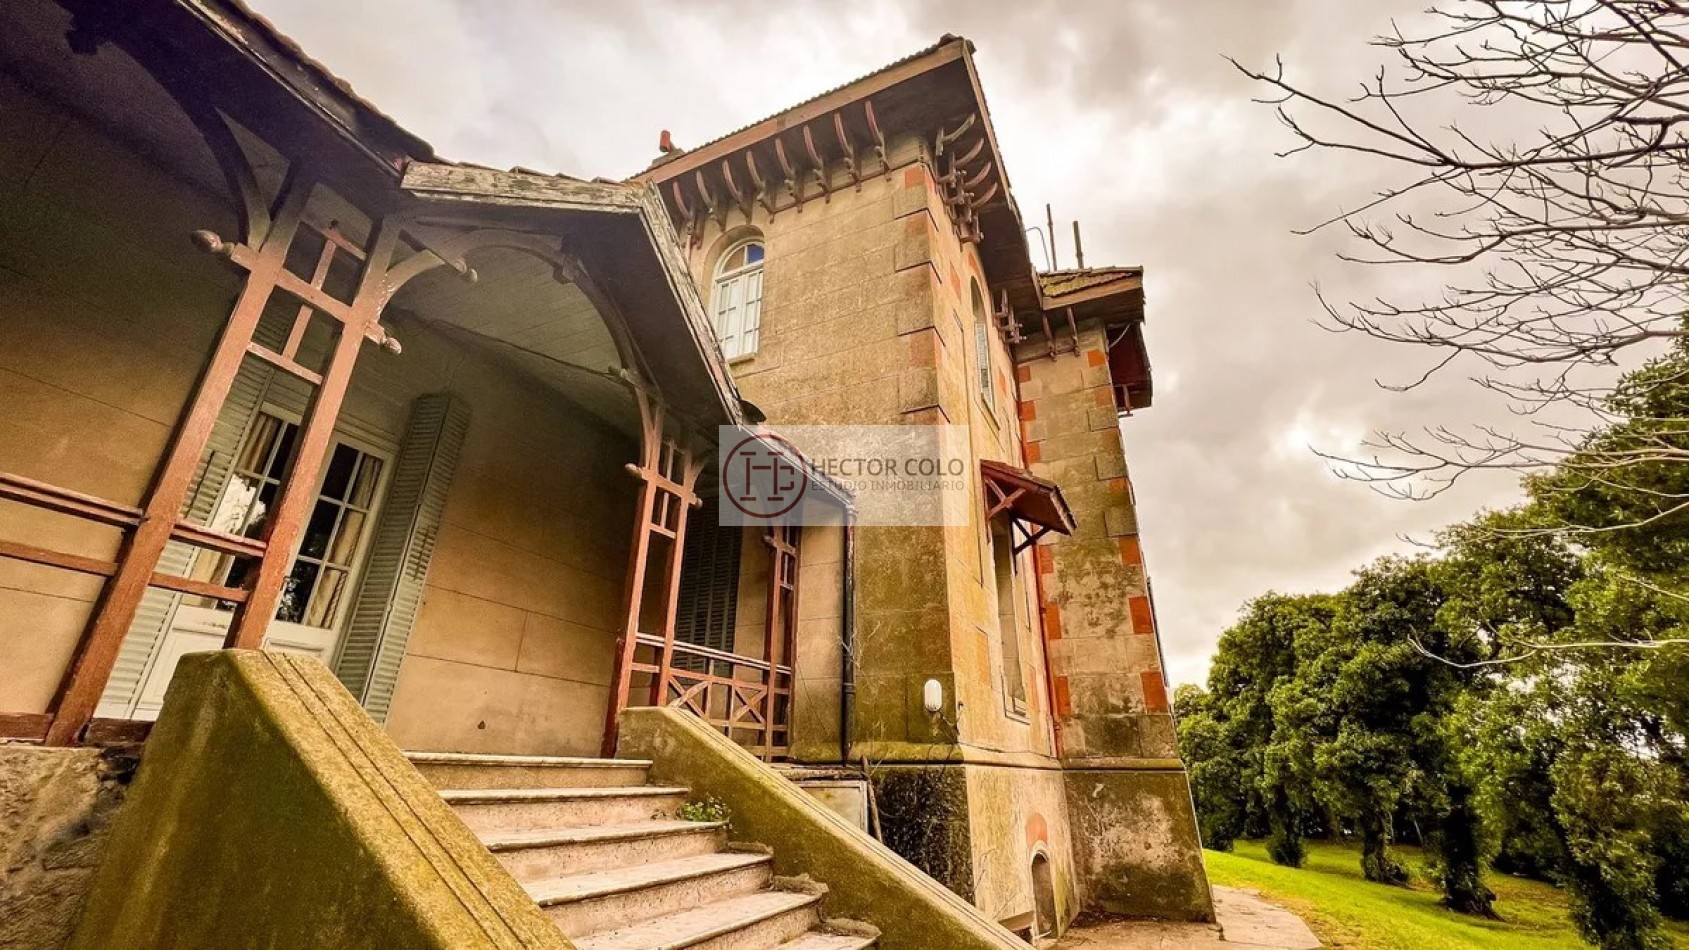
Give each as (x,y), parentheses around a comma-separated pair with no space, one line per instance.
(1567,246)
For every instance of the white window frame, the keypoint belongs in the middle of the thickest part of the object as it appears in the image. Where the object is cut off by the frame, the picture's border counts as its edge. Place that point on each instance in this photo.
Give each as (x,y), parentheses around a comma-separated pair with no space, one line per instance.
(736,302)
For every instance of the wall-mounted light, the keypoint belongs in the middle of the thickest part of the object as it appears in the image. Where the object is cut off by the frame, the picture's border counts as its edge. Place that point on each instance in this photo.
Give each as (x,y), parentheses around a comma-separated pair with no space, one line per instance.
(933,696)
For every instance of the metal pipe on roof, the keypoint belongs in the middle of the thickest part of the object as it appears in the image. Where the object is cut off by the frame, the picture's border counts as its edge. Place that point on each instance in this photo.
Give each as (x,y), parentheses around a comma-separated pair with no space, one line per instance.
(1078,246)
(1050,220)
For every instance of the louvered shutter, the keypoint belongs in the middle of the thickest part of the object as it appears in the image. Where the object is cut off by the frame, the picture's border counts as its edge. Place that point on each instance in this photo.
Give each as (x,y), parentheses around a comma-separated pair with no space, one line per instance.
(157,607)
(709,584)
(397,568)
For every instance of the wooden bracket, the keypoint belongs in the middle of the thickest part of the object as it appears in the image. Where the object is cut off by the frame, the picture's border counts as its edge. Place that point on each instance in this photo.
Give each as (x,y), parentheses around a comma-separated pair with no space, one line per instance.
(945,139)
(744,199)
(819,168)
(850,158)
(878,137)
(765,194)
(794,184)
(1006,319)
(716,210)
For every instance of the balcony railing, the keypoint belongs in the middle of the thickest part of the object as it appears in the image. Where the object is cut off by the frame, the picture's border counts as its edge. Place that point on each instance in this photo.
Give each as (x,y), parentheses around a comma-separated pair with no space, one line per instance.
(748,699)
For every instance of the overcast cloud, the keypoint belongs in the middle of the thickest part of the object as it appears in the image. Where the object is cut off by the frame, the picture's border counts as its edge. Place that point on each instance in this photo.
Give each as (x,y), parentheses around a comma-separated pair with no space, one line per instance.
(1122,112)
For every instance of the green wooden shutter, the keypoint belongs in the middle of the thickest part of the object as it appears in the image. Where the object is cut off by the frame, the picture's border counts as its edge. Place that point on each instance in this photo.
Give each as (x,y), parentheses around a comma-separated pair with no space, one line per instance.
(157,607)
(397,566)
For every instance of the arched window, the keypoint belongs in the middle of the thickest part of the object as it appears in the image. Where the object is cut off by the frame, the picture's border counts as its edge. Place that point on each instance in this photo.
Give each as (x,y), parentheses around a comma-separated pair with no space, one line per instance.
(738,298)
(982,348)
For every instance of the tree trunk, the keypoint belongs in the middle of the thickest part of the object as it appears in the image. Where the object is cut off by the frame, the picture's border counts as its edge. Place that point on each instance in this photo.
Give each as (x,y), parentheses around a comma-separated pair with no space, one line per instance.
(1377,865)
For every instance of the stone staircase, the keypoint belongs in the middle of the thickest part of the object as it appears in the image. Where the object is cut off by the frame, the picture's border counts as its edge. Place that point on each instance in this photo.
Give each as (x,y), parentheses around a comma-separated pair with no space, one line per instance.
(607,857)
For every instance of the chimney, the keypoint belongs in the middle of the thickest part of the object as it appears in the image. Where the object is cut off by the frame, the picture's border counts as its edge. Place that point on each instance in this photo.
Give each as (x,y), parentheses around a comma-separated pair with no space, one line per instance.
(665,143)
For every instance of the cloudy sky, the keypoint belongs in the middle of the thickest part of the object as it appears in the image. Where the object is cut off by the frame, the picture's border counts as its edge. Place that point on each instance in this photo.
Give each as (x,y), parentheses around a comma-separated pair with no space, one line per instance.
(1121,112)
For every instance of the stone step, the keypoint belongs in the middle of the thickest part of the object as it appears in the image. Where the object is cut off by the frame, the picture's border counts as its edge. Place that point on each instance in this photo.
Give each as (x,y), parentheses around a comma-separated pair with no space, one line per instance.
(748,922)
(817,940)
(475,770)
(558,852)
(489,810)
(604,900)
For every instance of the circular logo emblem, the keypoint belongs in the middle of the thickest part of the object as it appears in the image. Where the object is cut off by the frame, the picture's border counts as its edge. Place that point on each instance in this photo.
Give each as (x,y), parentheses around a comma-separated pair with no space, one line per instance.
(762,477)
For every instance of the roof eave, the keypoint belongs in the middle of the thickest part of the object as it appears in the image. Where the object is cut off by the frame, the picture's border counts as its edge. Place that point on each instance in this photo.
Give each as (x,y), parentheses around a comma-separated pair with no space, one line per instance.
(491,188)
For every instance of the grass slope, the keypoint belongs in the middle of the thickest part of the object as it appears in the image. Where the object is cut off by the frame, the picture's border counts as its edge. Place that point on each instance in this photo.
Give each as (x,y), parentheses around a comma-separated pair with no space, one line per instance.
(1347,911)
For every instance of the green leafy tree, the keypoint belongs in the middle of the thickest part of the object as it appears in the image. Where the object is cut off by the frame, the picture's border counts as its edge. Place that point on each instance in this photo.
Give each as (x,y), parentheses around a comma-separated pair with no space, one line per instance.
(1211,765)
(1373,684)
(1243,781)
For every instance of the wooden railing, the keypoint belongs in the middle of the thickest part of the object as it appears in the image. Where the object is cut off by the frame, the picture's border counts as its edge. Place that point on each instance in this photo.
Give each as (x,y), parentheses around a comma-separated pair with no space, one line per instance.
(747,699)
(37,494)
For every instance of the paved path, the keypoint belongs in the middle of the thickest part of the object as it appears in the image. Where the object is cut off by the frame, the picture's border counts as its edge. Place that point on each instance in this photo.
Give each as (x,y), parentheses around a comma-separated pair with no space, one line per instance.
(1247,922)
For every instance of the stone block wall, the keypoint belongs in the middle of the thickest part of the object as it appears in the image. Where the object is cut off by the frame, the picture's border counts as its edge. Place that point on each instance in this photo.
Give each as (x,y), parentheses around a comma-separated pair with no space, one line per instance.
(1105,663)
(1135,844)
(56,809)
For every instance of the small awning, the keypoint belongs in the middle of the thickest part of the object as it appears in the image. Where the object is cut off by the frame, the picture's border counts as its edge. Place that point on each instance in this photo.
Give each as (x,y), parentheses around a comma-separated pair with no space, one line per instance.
(1033,503)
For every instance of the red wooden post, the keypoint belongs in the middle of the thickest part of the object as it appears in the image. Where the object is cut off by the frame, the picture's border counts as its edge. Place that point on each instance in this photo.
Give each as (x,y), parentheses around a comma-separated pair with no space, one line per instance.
(628,643)
(681,478)
(299,488)
(780,627)
(668,474)
(85,679)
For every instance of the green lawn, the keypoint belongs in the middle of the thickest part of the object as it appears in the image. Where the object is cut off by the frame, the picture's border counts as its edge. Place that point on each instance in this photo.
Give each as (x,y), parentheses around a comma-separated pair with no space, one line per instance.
(1347,911)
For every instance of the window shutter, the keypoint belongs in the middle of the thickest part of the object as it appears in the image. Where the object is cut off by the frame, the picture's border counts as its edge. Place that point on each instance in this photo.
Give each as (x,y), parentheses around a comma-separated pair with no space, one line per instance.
(157,607)
(709,587)
(397,568)
(982,357)
(751,329)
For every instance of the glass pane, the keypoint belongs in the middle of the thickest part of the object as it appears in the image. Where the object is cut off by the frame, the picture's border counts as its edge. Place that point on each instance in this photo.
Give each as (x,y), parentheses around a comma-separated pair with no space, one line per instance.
(326,603)
(235,507)
(753,253)
(258,444)
(363,489)
(255,517)
(733,261)
(346,539)
(296,592)
(341,463)
(284,451)
(319,530)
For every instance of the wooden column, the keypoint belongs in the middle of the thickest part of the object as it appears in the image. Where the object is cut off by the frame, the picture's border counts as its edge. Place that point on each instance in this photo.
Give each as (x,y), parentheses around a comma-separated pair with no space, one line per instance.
(79,691)
(299,487)
(780,628)
(668,473)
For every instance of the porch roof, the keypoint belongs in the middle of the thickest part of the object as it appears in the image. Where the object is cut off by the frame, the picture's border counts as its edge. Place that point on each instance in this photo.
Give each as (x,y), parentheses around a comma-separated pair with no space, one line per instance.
(223,53)
(1026,497)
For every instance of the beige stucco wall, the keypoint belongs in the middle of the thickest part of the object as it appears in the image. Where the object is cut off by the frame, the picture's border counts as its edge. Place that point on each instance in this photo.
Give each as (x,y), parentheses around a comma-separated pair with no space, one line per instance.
(513,648)
(105,314)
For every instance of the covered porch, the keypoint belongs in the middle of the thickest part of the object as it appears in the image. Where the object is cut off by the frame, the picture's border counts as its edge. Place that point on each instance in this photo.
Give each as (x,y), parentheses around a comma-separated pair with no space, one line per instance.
(442,427)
